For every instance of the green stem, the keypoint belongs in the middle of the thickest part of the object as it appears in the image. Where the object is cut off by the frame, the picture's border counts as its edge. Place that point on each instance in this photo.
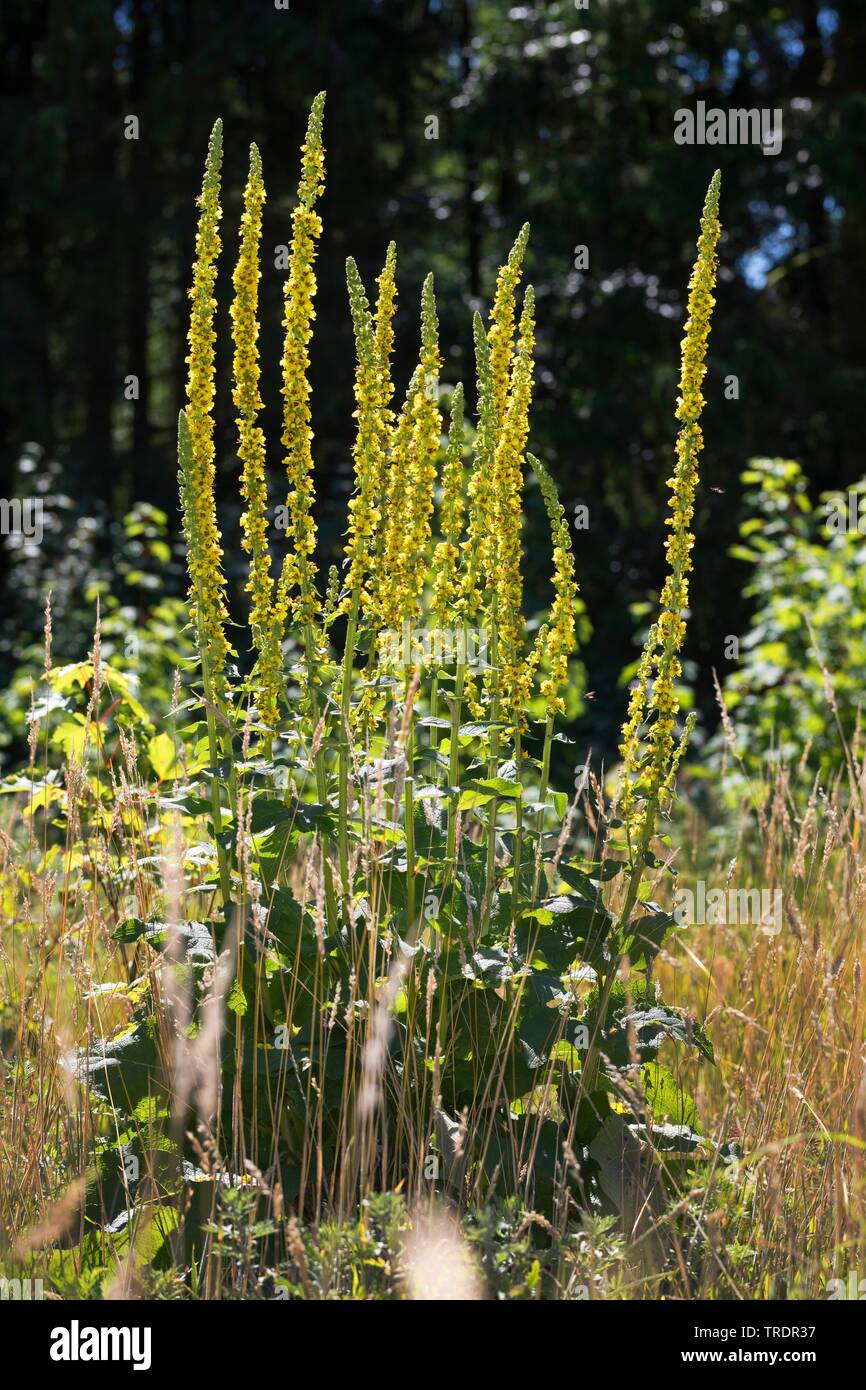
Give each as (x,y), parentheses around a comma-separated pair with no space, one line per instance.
(590,1067)
(518,834)
(345,708)
(409,813)
(321,784)
(216,809)
(454,756)
(450,876)
(542,796)
(434,714)
(492,766)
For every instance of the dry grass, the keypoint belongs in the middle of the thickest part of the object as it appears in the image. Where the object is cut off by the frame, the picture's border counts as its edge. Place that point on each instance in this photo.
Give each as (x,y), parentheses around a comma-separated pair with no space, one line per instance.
(785,1013)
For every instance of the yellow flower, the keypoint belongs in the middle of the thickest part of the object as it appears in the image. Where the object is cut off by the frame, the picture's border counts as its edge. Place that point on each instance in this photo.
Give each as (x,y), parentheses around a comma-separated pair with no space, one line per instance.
(477,546)
(388,594)
(297,586)
(407,477)
(207,586)
(556,640)
(446,584)
(508,517)
(426,432)
(501,332)
(650,758)
(631,746)
(368,452)
(251,446)
(392,481)
(494,354)
(383,342)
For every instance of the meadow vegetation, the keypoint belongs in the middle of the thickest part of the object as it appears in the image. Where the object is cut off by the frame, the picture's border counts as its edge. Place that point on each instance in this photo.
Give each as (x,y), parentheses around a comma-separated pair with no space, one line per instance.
(315,984)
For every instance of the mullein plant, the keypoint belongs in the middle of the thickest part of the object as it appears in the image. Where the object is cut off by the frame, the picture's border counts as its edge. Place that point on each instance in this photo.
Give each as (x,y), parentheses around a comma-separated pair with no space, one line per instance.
(651,750)
(422,929)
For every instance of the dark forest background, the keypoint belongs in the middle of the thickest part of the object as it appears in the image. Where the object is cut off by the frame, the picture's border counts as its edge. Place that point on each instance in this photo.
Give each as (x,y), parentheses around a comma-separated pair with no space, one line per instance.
(549,112)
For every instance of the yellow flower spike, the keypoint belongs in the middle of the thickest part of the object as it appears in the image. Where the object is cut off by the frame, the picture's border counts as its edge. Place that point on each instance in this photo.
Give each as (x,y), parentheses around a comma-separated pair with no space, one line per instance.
(251,445)
(478,546)
(648,763)
(426,433)
(386,305)
(297,586)
(388,597)
(501,332)
(368,453)
(508,515)
(674,598)
(494,351)
(392,481)
(556,641)
(207,583)
(407,496)
(631,745)
(446,583)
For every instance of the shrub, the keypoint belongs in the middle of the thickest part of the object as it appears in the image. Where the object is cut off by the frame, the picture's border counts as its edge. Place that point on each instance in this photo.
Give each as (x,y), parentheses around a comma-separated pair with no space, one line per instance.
(798,685)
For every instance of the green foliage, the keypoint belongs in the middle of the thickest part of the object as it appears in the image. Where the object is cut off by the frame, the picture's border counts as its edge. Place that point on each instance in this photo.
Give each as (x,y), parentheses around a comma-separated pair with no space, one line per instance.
(142,628)
(799,681)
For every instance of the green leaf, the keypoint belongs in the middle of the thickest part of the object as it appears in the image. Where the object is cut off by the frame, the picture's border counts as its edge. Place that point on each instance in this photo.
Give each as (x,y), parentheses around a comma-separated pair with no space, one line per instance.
(300,815)
(122,1070)
(653,1024)
(193,940)
(163,757)
(237,1000)
(479,791)
(668,1100)
(492,966)
(648,935)
(571,928)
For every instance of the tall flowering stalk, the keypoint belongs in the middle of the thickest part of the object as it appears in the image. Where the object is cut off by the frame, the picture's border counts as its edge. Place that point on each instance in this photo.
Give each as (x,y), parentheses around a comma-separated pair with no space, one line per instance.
(383,337)
(191,516)
(207,582)
(388,597)
(555,643)
(251,446)
(502,325)
(393,440)
(368,452)
(475,565)
(494,351)
(409,473)
(426,425)
(297,586)
(648,754)
(446,557)
(364,516)
(508,517)
(556,640)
